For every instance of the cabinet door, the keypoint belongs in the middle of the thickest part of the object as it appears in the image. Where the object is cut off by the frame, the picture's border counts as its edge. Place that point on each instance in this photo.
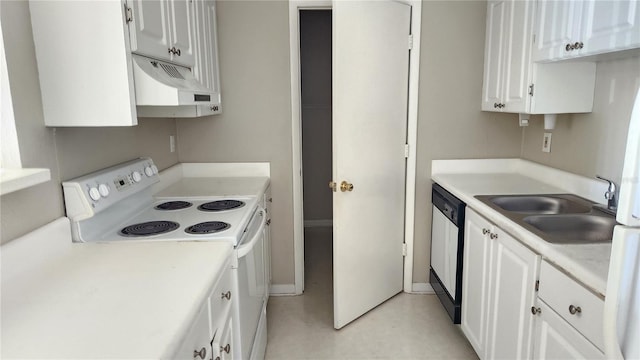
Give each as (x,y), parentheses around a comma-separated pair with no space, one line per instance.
(610,25)
(494,55)
(206,68)
(475,280)
(517,52)
(198,339)
(150,31)
(182,29)
(556,339)
(222,345)
(514,269)
(558,24)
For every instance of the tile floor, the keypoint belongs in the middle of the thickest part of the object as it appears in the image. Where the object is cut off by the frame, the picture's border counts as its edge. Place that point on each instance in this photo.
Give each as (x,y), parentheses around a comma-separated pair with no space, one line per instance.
(404,327)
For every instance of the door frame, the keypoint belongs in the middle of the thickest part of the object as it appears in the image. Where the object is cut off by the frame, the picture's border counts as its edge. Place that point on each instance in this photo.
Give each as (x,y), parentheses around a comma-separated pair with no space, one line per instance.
(296,132)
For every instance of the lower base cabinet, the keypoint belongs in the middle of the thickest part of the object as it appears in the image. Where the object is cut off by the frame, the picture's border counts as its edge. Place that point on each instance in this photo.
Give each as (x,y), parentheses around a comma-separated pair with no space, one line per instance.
(498,291)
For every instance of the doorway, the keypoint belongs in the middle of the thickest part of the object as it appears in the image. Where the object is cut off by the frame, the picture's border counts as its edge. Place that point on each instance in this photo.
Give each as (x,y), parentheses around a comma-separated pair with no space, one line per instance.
(370,89)
(316,81)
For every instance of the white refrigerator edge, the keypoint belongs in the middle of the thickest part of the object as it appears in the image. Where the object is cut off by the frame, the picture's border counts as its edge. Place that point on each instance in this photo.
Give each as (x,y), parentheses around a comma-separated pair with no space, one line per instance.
(622,301)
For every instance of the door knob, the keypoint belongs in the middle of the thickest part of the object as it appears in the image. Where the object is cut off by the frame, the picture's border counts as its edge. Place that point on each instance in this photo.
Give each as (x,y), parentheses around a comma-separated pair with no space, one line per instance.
(345,186)
(332,185)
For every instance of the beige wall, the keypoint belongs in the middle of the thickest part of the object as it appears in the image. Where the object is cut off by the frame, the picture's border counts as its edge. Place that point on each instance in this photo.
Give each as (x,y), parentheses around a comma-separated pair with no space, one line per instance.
(315,66)
(68,152)
(450,123)
(593,143)
(256,121)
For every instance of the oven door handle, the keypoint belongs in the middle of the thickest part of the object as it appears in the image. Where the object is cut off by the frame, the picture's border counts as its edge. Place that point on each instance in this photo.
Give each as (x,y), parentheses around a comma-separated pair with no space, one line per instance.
(244,249)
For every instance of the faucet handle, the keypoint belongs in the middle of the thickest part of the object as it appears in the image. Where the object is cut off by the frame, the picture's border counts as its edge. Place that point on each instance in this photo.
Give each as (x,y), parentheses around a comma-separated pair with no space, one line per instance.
(612,185)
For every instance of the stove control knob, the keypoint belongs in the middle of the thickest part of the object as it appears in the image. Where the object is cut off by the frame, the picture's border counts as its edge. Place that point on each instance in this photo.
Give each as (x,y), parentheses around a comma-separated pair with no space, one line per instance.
(94,194)
(104,190)
(154,168)
(148,171)
(136,176)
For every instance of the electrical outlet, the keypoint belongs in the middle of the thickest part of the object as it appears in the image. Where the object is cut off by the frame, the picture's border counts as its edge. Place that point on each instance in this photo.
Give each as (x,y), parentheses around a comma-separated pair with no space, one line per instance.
(172,143)
(546,142)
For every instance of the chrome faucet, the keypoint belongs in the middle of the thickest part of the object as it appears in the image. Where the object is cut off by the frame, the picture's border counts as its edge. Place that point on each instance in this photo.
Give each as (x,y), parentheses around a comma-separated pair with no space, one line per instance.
(610,194)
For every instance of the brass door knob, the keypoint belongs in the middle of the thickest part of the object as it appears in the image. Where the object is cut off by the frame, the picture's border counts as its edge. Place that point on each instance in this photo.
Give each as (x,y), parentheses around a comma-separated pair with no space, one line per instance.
(332,185)
(345,186)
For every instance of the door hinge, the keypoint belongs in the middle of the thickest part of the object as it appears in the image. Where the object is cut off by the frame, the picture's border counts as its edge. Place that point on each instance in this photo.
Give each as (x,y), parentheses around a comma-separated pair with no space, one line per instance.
(404,249)
(410,42)
(128,15)
(406,151)
(537,285)
(531,89)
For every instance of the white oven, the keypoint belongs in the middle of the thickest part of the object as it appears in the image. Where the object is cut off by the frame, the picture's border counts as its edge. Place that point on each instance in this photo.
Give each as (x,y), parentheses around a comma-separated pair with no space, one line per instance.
(116,204)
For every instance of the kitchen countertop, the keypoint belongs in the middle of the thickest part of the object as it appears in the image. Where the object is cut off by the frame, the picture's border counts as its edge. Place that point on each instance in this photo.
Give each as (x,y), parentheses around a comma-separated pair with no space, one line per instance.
(196,187)
(587,263)
(110,300)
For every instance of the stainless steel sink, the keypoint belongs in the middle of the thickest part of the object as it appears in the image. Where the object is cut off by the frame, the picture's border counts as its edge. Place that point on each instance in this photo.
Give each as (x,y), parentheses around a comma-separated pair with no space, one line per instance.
(556,218)
(574,228)
(539,204)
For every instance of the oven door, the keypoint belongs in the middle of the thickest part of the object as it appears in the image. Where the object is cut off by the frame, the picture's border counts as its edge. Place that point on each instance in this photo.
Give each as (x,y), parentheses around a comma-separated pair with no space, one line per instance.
(250,281)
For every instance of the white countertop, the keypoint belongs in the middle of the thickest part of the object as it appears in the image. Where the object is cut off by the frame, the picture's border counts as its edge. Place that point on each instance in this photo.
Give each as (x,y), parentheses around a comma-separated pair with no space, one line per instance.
(112,300)
(199,187)
(587,263)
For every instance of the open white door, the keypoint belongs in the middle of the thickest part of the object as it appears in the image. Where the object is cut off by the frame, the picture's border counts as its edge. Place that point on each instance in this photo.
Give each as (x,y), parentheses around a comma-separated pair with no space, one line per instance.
(370,89)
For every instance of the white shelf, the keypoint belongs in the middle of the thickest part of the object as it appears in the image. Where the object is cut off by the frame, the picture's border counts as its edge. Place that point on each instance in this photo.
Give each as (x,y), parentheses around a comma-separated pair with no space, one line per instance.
(17,179)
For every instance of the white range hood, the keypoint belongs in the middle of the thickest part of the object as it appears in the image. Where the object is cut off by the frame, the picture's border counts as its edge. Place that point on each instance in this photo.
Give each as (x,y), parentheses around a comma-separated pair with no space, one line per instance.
(159,83)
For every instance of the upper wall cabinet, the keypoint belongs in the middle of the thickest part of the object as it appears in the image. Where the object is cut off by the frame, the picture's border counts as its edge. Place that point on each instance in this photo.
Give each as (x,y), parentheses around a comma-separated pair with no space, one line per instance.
(164,29)
(102,81)
(570,29)
(513,83)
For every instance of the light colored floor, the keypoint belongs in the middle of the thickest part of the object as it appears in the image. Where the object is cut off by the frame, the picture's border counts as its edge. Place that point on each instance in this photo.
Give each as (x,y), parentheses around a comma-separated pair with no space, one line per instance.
(405,327)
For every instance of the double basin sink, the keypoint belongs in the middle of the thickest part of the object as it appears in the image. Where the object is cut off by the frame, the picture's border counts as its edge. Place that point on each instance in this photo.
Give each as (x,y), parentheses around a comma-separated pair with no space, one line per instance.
(557,218)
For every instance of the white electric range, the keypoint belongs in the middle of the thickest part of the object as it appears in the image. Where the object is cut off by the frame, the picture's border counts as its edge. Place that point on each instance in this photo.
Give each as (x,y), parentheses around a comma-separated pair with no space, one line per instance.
(116,204)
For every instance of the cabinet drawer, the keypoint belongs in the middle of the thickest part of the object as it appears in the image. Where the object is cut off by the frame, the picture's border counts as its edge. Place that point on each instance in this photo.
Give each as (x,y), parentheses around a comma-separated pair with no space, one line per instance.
(221,297)
(574,303)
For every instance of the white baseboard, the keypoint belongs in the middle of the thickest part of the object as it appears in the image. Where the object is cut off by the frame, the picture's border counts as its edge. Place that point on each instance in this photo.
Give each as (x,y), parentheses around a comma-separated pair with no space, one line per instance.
(318,223)
(422,288)
(282,290)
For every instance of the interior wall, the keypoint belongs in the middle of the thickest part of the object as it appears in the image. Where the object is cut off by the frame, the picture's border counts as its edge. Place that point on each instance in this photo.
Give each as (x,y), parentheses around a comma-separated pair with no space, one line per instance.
(594,143)
(67,152)
(315,68)
(450,123)
(255,125)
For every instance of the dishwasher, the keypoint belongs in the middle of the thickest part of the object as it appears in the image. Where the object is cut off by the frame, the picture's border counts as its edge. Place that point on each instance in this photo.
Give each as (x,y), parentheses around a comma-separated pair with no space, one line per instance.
(447,242)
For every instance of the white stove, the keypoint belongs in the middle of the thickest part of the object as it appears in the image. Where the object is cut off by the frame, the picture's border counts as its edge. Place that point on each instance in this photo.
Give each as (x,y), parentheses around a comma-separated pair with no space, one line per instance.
(117,204)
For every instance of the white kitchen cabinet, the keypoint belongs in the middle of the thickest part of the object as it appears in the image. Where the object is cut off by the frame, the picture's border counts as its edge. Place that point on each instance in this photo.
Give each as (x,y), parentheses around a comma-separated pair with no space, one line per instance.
(163,29)
(571,29)
(94,87)
(554,338)
(498,291)
(222,343)
(507,47)
(206,68)
(198,339)
(513,83)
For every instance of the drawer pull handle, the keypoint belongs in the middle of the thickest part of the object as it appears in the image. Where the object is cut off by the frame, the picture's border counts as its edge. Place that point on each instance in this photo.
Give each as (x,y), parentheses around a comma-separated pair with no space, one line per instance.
(226,295)
(574,309)
(535,310)
(202,353)
(493,236)
(485,231)
(226,349)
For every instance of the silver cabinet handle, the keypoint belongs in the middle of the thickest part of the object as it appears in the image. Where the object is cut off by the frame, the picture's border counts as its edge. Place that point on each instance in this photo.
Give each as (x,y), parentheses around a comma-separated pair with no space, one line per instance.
(493,236)
(535,310)
(569,47)
(574,309)
(202,353)
(226,295)
(485,231)
(226,349)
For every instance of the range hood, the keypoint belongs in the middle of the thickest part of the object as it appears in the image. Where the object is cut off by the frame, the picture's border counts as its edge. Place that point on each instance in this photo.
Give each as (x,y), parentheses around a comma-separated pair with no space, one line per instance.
(159,83)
